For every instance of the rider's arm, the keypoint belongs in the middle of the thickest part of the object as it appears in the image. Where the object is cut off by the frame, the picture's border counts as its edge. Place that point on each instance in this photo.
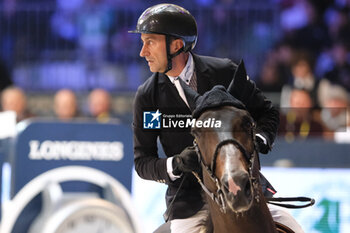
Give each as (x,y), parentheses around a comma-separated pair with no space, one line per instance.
(261,109)
(147,163)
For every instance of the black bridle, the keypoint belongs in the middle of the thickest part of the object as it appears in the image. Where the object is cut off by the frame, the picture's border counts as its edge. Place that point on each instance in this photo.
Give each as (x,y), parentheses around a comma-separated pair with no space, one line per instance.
(218,195)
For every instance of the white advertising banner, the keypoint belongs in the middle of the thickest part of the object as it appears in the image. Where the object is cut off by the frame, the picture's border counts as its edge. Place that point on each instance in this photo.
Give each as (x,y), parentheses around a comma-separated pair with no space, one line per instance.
(329,187)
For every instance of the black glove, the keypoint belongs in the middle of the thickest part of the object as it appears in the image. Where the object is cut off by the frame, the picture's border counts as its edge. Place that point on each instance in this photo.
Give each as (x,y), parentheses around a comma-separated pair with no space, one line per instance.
(186,161)
(262,147)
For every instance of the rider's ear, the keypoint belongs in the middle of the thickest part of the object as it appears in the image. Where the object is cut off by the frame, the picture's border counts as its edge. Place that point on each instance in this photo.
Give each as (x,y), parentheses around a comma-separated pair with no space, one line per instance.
(177,44)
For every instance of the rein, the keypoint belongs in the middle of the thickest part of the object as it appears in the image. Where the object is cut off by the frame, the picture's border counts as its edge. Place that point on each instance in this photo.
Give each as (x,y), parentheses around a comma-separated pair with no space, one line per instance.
(273,200)
(218,195)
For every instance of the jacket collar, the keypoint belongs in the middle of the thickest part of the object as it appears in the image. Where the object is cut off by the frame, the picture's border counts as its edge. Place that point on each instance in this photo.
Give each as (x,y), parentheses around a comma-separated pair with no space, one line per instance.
(203,77)
(200,67)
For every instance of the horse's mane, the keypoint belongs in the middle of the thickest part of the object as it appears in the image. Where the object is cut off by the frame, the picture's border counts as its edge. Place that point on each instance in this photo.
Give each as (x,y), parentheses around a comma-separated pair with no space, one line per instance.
(216,97)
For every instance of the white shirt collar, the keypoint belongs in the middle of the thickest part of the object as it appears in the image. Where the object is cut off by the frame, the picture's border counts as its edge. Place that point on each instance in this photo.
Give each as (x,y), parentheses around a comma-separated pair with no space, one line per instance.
(187,72)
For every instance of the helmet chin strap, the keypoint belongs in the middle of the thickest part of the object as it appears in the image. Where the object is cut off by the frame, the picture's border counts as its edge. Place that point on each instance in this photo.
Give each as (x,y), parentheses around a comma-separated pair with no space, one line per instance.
(170,56)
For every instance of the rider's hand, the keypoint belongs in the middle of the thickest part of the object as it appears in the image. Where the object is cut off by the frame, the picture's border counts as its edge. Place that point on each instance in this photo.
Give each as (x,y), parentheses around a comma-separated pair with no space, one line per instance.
(186,161)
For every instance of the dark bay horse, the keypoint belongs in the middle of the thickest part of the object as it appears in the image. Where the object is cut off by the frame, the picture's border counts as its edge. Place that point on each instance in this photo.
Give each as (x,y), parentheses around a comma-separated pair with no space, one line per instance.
(230,170)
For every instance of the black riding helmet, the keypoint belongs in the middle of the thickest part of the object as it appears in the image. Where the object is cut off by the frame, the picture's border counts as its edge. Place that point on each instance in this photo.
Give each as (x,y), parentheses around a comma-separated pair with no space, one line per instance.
(172,21)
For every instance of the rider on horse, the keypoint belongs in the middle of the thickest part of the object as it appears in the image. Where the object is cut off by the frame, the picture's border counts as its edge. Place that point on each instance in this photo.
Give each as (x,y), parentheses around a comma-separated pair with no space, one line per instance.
(169,34)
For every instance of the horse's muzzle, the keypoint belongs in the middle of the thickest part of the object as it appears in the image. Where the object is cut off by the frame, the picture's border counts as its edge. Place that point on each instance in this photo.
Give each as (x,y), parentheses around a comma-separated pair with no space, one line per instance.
(237,189)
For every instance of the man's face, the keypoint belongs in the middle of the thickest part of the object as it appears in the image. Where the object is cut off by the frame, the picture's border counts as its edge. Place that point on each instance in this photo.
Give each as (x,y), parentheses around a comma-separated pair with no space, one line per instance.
(154,51)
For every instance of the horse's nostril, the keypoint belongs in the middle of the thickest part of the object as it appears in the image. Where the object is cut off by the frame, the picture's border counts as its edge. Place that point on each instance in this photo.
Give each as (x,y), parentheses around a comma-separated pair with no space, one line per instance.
(238,182)
(247,190)
(233,187)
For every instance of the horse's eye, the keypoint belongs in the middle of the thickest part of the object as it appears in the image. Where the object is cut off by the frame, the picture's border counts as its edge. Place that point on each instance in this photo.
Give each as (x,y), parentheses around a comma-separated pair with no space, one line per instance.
(247,123)
(194,132)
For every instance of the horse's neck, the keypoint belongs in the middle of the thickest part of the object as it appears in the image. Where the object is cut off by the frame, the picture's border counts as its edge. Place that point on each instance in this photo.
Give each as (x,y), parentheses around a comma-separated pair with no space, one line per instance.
(256,219)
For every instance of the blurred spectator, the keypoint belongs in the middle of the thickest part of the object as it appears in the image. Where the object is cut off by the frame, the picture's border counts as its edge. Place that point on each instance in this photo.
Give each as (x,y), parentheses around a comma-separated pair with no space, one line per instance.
(14,99)
(338,22)
(340,72)
(94,23)
(312,36)
(99,102)
(334,101)
(276,71)
(299,120)
(65,104)
(63,23)
(269,79)
(294,15)
(302,78)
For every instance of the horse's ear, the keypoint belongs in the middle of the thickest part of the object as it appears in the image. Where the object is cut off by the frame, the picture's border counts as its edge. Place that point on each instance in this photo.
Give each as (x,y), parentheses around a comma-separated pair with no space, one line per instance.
(239,76)
(190,94)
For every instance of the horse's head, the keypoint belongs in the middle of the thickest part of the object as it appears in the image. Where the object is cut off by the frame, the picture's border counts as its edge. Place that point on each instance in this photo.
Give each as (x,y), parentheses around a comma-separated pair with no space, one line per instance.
(229,158)
(226,152)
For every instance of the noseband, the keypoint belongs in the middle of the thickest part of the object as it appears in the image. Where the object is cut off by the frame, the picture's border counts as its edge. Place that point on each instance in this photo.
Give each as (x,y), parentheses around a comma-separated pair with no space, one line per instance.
(218,195)
(218,147)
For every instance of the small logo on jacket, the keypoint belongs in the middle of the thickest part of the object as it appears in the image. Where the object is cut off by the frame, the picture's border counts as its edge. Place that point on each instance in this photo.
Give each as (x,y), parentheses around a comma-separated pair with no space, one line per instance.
(151,120)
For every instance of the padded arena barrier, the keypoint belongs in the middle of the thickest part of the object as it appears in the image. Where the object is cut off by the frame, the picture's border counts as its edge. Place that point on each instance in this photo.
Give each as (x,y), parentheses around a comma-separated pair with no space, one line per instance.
(43,146)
